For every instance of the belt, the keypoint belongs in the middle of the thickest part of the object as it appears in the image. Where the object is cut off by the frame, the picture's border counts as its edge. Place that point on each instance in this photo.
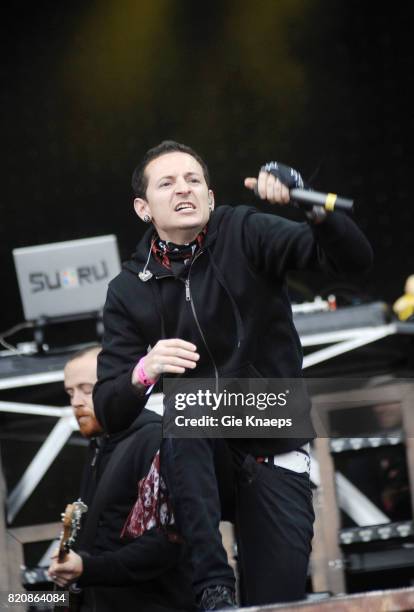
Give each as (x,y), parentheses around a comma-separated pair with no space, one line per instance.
(297,460)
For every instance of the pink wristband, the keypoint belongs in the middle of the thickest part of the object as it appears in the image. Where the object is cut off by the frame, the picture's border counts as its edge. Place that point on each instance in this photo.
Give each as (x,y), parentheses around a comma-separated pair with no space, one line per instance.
(140,374)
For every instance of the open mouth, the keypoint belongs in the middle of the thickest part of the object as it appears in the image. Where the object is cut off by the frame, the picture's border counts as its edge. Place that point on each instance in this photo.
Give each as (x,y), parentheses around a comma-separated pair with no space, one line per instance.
(184,206)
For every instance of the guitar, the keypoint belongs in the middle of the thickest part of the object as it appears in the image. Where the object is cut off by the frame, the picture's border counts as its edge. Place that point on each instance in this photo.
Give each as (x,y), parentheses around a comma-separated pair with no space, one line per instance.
(33,578)
(36,578)
(71,520)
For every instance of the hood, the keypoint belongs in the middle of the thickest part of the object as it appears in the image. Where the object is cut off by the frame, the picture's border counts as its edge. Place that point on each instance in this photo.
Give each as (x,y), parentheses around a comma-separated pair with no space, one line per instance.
(142,262)
(146,417)
(140,257)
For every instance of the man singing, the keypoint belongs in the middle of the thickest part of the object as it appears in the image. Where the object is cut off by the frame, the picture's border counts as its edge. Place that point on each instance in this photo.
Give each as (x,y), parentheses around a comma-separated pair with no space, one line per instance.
(205,296)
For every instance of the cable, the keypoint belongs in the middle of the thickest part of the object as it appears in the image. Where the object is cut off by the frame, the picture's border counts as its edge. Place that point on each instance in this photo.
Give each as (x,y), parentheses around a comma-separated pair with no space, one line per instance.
(10,332)
(16,328)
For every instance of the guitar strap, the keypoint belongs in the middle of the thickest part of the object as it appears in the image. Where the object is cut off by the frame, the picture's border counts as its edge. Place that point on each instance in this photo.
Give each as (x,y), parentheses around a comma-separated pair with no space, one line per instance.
(101,494)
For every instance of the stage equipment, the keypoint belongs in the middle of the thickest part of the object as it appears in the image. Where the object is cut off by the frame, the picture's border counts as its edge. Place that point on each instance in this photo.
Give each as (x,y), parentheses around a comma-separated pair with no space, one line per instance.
(65,282)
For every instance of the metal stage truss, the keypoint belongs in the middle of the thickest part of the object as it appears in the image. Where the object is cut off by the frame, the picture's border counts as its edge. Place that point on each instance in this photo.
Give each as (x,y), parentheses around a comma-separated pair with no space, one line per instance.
(352,501)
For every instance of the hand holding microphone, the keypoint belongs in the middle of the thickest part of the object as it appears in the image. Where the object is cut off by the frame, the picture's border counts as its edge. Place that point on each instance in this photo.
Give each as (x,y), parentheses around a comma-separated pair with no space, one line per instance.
(280,184)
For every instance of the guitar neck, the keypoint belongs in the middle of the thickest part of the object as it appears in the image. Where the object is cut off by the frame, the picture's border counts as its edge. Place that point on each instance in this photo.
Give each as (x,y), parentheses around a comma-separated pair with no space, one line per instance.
(71,520)
(63,551)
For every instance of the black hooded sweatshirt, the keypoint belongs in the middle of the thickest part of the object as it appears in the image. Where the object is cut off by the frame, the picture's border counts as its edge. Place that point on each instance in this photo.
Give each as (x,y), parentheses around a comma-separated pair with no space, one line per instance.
(149,572)
(233,305)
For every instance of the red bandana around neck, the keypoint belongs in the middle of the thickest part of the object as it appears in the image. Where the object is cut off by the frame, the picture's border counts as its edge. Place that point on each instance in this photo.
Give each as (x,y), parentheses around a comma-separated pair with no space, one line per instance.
(166,252)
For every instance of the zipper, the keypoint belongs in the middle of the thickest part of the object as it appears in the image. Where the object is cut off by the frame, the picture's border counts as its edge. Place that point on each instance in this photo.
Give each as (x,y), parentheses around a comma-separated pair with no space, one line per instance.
(189,298)
(95,456)
(187,290)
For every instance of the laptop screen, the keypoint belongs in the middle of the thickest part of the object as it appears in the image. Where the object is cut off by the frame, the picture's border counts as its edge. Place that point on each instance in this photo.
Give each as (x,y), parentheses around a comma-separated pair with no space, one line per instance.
(66,278)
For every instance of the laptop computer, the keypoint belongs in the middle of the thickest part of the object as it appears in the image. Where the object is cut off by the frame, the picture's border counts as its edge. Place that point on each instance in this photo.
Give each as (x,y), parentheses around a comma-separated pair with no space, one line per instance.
(66,278)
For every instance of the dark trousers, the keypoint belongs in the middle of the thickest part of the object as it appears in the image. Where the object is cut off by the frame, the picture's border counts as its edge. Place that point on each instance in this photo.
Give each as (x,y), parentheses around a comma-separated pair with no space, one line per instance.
(270,506)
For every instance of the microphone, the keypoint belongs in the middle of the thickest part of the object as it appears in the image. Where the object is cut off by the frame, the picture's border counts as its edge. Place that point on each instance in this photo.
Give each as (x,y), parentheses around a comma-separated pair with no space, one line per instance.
(305,198)
(328,201)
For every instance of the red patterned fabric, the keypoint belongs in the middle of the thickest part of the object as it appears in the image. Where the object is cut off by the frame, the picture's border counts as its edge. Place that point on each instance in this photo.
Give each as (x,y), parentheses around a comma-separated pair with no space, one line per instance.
(165,252)
(153,507)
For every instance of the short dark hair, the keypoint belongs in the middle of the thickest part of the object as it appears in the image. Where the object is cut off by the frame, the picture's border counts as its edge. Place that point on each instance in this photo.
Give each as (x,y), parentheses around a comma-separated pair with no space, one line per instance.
(140,181)
(83,352)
